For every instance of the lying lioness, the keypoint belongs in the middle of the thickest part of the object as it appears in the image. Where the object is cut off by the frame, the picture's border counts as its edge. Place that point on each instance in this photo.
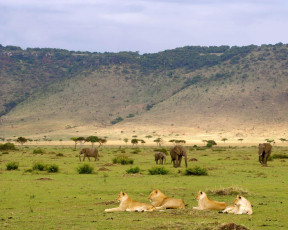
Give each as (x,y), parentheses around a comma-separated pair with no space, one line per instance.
(240,206)
(126,204)
(205,203)
(160,201)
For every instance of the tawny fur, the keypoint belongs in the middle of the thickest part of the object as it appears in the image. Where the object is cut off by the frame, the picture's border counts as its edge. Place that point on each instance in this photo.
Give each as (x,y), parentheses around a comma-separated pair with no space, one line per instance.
(240,206)
(204,203)
(160,201)
(126,204)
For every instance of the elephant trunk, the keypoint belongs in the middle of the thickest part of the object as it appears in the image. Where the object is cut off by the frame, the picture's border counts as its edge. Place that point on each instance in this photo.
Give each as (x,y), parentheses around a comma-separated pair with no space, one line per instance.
(186,161)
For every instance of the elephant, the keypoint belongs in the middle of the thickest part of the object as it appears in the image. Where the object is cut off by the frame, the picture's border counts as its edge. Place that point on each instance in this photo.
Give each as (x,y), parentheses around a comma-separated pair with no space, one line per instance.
(176,153)
(264,152)
(161,157)
(89,152)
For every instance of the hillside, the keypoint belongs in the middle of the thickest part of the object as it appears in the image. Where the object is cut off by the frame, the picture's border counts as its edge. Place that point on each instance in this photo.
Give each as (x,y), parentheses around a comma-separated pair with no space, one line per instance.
(191,92)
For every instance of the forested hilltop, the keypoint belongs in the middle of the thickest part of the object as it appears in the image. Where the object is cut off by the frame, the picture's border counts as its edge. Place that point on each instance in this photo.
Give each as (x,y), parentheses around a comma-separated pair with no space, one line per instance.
(109,88)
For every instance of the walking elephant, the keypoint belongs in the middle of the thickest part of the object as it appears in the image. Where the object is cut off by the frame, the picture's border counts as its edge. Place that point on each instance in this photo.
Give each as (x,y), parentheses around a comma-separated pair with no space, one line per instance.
(88,152)
(159,156)
(176,153)
(264,152)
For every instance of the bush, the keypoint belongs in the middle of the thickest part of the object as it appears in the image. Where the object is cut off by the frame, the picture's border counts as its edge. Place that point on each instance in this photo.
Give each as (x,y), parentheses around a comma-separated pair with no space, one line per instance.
(197,171)
(52,168)
(12,165)
(158,171)
(276,156)
(60,155)
(136,151)
(39,166)
(5,152)
(85,169)
(38,151)
(133,170)
(123,160)
(7,146)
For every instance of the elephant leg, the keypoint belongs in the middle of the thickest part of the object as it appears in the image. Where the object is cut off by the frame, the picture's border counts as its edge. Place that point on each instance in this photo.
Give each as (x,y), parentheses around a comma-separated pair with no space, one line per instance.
(84,158)
(176,161)
(266,158)
(156,162)
(180,159)
(161,161)
(88,158)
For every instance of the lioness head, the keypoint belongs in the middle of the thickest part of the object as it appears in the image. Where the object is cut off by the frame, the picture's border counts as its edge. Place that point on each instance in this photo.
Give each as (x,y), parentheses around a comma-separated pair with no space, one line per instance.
(240,200)
(121,196)
(155,194)
(200,195)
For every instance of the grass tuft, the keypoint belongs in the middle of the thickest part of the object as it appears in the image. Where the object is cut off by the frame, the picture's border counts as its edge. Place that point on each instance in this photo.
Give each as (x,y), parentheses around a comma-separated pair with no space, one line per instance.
(133,170)
(196,171)
(12,165)
(85,169)
(158,171)
(123,160)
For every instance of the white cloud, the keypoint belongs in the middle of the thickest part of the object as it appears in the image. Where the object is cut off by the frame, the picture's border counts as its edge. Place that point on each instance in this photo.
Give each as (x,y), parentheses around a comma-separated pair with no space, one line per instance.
(144,25)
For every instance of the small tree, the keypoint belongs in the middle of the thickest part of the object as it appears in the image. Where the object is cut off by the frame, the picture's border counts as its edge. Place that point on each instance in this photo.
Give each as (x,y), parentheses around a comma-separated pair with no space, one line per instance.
(92,139)
(158,141)
(210,143)
(148,136)
(224,139)
(75,139)
(102,141)
(240,139)
(82,140)
(282,140)
(134,141)
(126,140)
(22,141)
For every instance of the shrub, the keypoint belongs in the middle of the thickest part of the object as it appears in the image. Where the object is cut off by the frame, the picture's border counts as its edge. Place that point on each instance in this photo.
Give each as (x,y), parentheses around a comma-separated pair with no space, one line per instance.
(38,151)
(158,170)
(133,170)
(39,166)
(7,146)
(52,168)
(5,152)
(85,169)
(276,156)
(136,151)
(197,171)
(123,160)
(59,154)
(12,165)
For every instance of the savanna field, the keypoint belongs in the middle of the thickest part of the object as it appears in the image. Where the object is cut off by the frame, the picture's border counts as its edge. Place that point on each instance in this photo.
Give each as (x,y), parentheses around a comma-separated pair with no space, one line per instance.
(35,199)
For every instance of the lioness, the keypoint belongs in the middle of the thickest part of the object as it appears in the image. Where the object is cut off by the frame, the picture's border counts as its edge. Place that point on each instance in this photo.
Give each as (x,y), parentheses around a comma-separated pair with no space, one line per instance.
(240,206)
(160,201)
(205,203)
(126,204)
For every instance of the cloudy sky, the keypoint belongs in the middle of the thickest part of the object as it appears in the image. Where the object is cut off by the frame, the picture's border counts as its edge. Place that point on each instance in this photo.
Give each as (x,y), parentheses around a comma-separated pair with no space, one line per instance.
(146,26)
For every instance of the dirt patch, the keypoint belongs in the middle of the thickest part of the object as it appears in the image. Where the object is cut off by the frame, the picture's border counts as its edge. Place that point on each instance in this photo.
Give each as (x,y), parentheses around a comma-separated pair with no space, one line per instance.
(109,164)
(44,178)
(193,159)
(103,169)
(232,226)
(106,203)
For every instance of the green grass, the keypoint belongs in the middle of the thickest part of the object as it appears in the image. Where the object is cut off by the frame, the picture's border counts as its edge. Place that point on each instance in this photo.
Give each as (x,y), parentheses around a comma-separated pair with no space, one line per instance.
(68,200)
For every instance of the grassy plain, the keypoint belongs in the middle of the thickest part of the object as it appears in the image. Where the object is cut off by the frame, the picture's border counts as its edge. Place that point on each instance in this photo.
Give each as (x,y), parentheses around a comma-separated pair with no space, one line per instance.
(68,200)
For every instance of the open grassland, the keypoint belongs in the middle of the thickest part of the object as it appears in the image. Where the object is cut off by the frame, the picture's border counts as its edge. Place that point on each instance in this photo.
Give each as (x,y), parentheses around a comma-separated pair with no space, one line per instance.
(32,199)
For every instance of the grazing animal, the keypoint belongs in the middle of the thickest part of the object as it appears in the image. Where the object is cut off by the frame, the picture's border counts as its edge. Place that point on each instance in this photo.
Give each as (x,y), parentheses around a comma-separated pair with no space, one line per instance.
(126,204)
(204,203)
(88,152)
(160,201)
(264,152)
(159,156)
(240,206)
(176,153)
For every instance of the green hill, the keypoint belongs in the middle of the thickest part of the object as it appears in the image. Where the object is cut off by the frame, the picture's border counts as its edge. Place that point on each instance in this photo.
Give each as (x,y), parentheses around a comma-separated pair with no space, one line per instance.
(237,90)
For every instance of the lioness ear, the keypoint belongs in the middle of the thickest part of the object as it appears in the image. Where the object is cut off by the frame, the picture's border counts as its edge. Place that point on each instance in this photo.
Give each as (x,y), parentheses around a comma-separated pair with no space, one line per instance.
(156,191)
(123,193)
(239,197)
(201,192)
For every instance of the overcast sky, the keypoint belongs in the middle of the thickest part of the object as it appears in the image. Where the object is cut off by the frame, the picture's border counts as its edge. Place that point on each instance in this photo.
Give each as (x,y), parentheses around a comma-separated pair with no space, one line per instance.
(147,26)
